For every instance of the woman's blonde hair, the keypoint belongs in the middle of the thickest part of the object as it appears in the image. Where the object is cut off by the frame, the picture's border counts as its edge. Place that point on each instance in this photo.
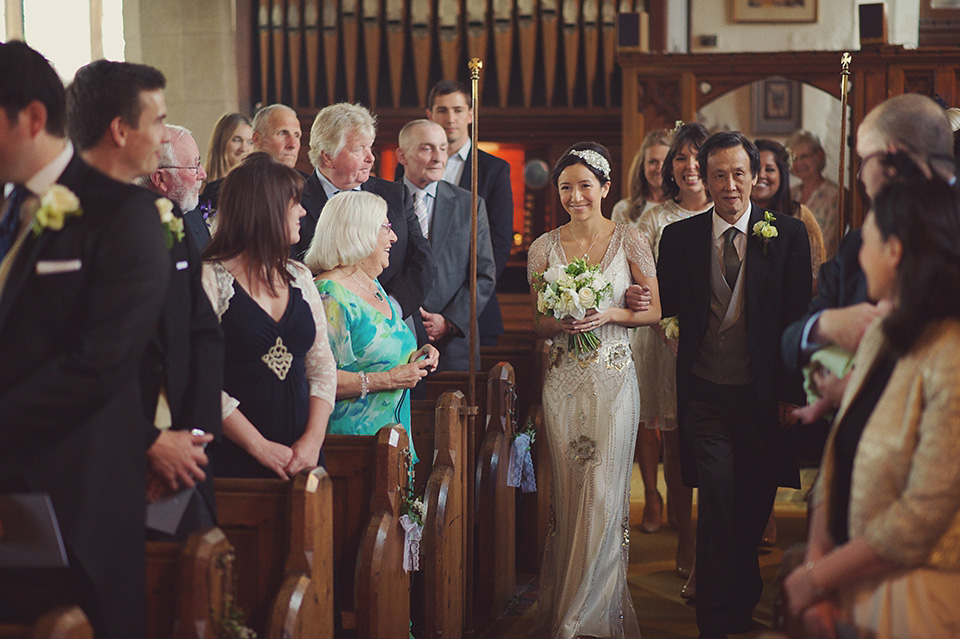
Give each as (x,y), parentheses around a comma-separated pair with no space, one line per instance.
(217,164)
(638,188)
(347,230)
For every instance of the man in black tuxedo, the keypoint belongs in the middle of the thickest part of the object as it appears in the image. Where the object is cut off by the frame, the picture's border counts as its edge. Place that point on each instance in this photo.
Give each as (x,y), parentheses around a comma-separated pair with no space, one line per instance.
(449,105)
(185,357)
(276,130)
(443,212)
(341,142)
(179,178)
(78,304)
(733,293)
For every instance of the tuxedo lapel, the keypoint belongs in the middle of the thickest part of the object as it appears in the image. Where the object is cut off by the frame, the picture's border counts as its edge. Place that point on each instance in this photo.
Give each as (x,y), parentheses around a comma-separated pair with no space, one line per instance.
(314,198)
(26,259)
(467,172)
(700,257)
(758,262)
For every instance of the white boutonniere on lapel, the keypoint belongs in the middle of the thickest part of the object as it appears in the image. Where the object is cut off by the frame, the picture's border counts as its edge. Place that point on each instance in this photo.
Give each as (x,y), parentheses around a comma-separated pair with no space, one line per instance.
(56,205)
(172,225)
(765,230)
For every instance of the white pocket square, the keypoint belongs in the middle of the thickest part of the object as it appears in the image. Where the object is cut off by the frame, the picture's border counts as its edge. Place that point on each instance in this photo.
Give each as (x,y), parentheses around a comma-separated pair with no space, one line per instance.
(51,267)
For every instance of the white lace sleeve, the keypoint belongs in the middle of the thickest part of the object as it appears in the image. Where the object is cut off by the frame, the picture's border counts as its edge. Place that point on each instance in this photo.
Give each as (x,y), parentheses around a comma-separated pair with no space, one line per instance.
(321,367)
(647,225)
(637,250)
(218,285)
(537,256)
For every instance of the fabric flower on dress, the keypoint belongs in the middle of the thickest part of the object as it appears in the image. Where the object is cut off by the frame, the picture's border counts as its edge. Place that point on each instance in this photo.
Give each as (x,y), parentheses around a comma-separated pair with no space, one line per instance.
(56,205)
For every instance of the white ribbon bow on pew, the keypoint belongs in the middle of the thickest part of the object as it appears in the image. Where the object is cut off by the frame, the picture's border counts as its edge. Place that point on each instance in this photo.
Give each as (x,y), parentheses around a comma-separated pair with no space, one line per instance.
(412,532)
(520,468)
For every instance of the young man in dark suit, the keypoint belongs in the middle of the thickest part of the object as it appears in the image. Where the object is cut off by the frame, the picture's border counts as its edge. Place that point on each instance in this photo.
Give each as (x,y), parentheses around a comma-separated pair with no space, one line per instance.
(449,105)
(80,291)
(341,142)
(443,212)
(734,290)
(182,371)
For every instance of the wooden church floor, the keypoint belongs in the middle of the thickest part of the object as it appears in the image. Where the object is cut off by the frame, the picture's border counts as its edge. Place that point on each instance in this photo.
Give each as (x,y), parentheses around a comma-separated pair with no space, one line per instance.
(653,582)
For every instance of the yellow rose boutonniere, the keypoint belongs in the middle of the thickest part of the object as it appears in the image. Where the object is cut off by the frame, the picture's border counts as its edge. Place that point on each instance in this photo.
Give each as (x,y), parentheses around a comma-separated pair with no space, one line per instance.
(172,225)
(56,205)
(765,230)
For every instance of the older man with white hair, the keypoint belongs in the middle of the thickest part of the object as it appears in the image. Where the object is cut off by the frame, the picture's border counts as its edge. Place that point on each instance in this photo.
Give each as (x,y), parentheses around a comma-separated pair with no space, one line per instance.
(341,142)
(179,178)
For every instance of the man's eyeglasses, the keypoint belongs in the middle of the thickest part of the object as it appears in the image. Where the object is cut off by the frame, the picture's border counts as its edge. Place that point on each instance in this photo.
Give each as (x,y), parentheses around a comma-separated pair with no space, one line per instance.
(195,168)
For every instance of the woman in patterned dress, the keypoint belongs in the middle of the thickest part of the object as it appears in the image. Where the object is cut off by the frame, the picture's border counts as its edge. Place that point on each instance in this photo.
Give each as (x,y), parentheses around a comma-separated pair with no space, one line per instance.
(279,374)
(376,353)
(591,405)
(655,355)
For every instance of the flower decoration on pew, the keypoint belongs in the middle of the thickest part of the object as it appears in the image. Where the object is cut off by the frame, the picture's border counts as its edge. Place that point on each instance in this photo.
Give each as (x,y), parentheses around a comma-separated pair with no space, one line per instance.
(412,514)
(520,473)
(570,291)
(233,622)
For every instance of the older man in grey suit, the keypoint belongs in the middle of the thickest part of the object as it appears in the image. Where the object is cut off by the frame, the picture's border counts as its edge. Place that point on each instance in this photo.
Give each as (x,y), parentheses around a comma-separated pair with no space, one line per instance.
(443,211)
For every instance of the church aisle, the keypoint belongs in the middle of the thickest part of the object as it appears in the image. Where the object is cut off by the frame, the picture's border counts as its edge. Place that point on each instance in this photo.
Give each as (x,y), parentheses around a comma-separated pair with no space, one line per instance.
(654,585)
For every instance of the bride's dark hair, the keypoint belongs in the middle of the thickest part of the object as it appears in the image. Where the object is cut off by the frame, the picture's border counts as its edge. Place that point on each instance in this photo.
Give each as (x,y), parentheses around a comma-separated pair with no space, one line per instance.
(569,158)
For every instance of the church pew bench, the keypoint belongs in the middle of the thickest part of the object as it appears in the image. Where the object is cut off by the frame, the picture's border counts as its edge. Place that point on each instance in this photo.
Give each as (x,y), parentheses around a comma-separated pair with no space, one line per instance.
(189,585)
(59,623)
(495,517)
(283,535)
(439,592)
(368,474)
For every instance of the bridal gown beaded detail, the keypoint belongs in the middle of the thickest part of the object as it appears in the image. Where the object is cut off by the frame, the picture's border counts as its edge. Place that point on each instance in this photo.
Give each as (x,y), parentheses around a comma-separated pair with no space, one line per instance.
(592,408)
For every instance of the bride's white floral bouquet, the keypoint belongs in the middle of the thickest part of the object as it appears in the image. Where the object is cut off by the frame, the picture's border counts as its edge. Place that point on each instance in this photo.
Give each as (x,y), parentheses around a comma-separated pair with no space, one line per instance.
(570,291)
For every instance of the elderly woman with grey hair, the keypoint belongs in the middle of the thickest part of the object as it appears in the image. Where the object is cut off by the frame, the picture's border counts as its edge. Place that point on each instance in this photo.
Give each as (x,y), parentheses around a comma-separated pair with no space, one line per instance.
(376,353)
(816,192)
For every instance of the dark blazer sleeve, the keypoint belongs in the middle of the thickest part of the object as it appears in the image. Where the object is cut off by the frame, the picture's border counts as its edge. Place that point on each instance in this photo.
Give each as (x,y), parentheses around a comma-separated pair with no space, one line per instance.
(499,204)
(409,285)
(128,272)
(201,401)
(669,266)
(839,284)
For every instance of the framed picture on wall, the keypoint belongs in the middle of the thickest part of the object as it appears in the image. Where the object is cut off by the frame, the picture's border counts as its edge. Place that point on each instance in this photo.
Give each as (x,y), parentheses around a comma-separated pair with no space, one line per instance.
(775,106)
(774,10)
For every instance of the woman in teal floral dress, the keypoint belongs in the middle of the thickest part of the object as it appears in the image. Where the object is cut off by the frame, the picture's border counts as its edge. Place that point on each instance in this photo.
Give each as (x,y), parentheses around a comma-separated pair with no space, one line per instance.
(376,353)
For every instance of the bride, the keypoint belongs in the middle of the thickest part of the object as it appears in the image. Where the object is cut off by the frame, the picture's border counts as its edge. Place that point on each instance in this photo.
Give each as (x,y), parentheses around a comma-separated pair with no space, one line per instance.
(591,402)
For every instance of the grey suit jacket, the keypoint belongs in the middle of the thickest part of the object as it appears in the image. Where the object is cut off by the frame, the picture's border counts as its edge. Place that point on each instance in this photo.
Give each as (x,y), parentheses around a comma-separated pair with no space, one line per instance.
(449,293)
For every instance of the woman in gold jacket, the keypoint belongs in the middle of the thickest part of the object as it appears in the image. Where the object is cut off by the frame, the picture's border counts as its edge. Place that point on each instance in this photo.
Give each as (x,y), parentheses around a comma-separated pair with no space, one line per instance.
(884,550)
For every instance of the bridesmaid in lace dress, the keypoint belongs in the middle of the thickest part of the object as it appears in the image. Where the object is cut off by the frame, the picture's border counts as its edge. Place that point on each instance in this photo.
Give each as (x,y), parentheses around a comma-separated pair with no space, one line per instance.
(591,404)
(280,377)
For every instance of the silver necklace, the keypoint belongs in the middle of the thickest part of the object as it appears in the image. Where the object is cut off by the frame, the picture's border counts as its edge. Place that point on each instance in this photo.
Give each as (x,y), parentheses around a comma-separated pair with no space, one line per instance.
(579,245)
(375,292)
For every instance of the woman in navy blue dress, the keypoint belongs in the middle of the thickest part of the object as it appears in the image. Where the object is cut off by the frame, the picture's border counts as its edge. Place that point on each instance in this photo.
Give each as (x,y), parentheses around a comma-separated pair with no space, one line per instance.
(279,373)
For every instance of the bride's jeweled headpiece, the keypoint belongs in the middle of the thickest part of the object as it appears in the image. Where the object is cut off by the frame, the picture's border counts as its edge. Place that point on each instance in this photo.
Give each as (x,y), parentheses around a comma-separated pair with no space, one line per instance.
(595,160)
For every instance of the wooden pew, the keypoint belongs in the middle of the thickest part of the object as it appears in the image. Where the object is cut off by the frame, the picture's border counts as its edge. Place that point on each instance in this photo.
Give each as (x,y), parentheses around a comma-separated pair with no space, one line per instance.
(439,593)
(283,535)
(367,474)
(59,623)
(495,517)
(535,507)
(189,585)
